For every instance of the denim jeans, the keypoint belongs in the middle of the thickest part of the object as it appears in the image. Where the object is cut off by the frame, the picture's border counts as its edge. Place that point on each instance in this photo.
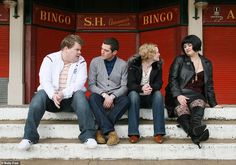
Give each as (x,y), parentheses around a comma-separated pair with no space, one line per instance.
(106,119)
(155,100)
(77,103)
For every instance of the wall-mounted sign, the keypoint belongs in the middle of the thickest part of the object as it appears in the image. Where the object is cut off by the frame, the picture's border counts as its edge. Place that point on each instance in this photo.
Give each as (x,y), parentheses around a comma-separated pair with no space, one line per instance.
(4,13)
(159,18)
(53,17)
(219,14)
(106,21)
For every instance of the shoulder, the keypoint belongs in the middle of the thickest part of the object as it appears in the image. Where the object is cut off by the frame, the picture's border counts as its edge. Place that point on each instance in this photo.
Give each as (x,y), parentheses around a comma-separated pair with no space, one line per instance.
(133,60)
(53,57)
(206,61)
(121,61)
(158,64)
(81,60)
(179,59)
(96,59)
(204,58)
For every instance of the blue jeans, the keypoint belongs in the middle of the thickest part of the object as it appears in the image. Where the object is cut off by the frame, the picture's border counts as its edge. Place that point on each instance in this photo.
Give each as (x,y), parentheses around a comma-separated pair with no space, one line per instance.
(106,119)
(155,100)
(77,103)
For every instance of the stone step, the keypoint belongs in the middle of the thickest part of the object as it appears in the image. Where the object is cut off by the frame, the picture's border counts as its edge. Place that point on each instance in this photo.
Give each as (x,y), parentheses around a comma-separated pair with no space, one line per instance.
(228,112)
(59,138)
(70,129)
(115,162)
(146,149)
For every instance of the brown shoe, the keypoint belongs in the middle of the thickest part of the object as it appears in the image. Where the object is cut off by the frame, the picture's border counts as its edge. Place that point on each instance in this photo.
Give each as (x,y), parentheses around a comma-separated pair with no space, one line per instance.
(158,139)
(100,138)
(133,138)
(113,138)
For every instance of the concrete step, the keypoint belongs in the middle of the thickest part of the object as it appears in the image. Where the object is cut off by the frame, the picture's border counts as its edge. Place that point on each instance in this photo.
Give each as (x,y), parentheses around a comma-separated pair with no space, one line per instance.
(146,149)
(116,162)
(228,112)
(59,138)
(70,129)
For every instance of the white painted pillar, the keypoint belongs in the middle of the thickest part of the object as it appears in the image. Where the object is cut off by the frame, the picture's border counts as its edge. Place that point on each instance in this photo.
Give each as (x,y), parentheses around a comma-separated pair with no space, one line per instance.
(195,25)
(16,57)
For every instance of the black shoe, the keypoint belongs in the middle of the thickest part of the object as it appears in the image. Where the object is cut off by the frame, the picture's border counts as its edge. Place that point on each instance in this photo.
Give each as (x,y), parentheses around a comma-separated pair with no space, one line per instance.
(203,137)
(197,131)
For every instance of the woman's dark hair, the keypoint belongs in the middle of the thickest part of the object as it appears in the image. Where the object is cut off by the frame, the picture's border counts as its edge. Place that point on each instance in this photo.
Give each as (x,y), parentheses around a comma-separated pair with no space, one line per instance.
(194,40)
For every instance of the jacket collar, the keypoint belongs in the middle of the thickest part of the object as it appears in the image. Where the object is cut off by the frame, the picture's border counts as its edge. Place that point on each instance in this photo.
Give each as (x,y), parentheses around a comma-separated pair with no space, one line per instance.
(187,58)
(137,61)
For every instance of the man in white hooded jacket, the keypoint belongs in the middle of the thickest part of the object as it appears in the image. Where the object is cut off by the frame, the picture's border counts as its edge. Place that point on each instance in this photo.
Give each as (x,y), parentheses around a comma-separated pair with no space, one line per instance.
(62,77)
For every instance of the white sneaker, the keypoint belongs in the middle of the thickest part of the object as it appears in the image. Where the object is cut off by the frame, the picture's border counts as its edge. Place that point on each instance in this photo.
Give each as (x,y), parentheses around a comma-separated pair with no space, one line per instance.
(24,144)
(91,143)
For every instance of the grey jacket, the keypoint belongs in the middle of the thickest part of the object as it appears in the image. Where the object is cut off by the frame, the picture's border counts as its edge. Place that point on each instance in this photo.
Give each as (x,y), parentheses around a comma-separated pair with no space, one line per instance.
(99,81)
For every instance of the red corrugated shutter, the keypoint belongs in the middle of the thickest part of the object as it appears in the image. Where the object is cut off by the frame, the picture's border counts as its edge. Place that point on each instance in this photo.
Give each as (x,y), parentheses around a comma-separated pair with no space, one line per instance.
(220,48)
(93,43)
(4,51)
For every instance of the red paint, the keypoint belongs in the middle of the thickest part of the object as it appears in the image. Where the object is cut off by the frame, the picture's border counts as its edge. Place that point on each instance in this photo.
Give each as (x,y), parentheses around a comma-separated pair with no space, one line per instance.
(4,51)
(4,13)
(219,47)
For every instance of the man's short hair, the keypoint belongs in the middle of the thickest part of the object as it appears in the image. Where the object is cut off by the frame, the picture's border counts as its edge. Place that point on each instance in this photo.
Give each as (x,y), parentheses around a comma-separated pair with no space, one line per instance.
(113,42)
(70,40)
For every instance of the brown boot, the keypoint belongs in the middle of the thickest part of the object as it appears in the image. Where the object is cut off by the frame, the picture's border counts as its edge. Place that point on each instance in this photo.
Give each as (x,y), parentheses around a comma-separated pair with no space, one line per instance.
(158,139)
(133,138)
(113,138)
(100,138)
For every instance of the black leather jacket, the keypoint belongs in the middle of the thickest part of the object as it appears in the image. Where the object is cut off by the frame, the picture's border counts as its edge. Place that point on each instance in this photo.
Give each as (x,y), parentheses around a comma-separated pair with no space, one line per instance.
(135,75)
(181,72)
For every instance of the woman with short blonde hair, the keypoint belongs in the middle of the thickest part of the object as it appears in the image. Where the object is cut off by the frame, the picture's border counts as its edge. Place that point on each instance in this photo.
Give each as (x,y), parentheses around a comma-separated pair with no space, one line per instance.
(144,84)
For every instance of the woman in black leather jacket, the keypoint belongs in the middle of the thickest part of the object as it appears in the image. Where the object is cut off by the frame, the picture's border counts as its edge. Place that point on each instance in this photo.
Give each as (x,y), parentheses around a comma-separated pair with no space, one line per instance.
(144,84)
(190,87)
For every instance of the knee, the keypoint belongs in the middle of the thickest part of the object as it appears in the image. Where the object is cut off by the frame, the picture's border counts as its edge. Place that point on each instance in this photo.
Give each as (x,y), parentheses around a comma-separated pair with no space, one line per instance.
(38,100)
(79,99)
(134,96)
(158,96)
(79,95)
(41,94)
(126,100)
(93,97)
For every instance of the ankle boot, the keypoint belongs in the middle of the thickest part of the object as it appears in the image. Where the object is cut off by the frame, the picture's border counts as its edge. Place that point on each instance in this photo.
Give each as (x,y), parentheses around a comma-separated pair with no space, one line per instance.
(203,137)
